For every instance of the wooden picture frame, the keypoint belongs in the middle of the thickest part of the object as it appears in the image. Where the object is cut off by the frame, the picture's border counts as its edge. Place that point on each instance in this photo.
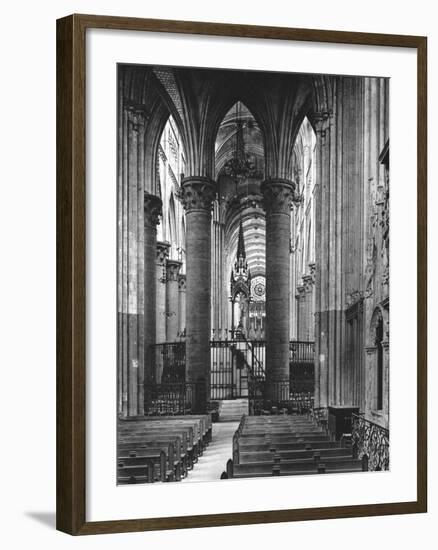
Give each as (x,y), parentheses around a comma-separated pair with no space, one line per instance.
(71,274)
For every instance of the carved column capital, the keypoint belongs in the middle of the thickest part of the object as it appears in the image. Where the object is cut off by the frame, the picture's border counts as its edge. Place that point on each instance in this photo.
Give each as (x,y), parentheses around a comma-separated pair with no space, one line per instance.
(172,268)
(138,116)
(162,252)
(152,209)
(308,282)
(300,292)
(278,195)
(322,123)
(353,297)
(182,282)
(197,194)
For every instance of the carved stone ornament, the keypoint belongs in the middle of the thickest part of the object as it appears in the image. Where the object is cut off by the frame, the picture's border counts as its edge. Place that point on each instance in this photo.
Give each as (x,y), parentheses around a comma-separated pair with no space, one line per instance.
(138,116)
(308,282)
(322,123)
(152,209)
(173,267)
(301,290)
(197,194)
(354,297)
(182,282)
(278,195)
(162,252)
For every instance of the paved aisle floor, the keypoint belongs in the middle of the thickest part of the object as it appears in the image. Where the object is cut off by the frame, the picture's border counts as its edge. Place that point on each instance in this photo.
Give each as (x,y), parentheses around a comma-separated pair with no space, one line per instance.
(214,460)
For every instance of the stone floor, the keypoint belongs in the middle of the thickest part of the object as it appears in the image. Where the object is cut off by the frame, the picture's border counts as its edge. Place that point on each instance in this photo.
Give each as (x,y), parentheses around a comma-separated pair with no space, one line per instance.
(213,462)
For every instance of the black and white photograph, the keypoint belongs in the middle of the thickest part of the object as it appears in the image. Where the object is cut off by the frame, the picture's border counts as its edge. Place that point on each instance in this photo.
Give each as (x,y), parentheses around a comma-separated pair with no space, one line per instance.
(252,274)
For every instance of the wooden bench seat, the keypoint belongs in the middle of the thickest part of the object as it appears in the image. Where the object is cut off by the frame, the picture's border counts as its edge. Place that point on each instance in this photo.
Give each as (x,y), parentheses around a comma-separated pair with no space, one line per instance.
(282,438)
(201,424)
(286,445)
(180,439)
(185,435)
(161,470)
(140,473)
(157,450)
(296,467)
(283,431)
(266,456)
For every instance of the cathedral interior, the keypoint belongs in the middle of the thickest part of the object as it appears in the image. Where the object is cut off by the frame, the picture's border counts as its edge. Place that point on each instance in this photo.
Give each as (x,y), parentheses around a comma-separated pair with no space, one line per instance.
(253,273)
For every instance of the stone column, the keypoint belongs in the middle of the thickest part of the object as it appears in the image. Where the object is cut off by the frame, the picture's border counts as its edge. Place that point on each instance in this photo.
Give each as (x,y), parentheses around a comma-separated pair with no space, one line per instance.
(278,195)
(300,297)
(152,211)
(312,271)
(308,331)
(385,346)
(161,276)
(321,247)
(172,270)
(132,275)
(370,381)
(197,195)
(181,303)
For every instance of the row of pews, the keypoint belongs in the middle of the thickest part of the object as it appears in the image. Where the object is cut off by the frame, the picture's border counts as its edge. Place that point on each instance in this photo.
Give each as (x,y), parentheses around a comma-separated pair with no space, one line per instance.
(160,448)
(287,445)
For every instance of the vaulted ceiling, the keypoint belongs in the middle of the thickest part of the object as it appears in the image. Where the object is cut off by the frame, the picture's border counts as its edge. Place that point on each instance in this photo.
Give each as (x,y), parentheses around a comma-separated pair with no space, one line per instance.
(242,199)
(204,104)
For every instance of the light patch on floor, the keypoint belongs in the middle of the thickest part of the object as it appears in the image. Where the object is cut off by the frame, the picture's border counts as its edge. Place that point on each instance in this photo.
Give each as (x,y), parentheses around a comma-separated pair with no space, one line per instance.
(214,460)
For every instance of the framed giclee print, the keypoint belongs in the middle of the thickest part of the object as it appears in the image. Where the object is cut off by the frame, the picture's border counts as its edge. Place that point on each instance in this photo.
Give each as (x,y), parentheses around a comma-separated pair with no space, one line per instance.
(231,233)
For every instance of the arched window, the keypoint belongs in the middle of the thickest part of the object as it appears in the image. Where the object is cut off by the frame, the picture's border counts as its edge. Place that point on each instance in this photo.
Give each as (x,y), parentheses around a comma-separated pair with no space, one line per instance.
(170,163)
(173,237)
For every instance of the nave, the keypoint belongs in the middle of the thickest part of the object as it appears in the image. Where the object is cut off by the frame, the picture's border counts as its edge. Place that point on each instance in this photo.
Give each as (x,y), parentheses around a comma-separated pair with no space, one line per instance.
(192,448)
(253,268)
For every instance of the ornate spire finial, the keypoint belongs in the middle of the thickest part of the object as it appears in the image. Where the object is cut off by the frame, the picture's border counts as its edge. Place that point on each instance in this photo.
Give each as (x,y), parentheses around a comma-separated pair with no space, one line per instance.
(240,274)
(241,243)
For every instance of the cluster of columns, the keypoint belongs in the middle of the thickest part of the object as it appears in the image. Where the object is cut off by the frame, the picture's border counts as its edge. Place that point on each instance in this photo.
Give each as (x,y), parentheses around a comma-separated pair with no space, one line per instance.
(305,317)
(348,175)
(197,195)
(338,242)
(164,293)
(170,295)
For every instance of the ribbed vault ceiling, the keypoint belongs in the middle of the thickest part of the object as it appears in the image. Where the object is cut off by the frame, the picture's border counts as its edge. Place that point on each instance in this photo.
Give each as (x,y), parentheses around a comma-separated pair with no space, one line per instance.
(236,195)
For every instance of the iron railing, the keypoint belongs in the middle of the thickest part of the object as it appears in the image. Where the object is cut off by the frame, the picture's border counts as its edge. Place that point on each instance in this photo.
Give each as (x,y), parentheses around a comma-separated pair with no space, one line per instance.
(168,362)
(237,371)
(370,442)
(301,353)
(234,365)
(168,398)
(302,369)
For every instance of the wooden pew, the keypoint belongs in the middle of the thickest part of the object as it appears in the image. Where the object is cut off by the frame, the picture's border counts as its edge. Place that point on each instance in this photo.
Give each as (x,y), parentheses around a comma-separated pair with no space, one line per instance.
(294,467)
(286,445)
(161,453)
(164,427)
(157,457)
(184,434)
(282,438)
(142,472)
(187,434)
(266,456)
(204,422)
